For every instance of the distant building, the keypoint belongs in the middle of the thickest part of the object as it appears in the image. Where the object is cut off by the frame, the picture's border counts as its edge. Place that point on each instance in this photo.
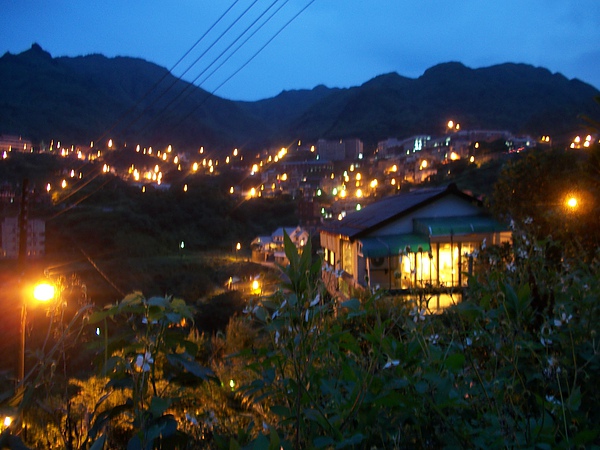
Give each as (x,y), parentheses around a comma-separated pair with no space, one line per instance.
(339,150)
(271,248)
(14,144)
(36,238)
(393,147)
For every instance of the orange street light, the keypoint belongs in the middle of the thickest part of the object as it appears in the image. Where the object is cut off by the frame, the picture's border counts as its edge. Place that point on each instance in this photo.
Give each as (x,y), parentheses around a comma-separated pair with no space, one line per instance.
(42,292)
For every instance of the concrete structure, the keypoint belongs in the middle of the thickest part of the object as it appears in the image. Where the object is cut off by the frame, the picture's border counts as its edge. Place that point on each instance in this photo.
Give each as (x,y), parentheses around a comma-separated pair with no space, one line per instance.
(36,238)
(9,143)
(339,150)
(271,248)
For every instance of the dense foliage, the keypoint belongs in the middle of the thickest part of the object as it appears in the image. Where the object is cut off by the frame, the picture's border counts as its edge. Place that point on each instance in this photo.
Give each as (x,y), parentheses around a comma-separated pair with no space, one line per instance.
(534,191)
(515,364)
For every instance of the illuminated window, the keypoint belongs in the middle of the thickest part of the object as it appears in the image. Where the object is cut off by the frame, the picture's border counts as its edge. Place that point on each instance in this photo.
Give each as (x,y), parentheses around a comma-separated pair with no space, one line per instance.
(347,257)
(448,264)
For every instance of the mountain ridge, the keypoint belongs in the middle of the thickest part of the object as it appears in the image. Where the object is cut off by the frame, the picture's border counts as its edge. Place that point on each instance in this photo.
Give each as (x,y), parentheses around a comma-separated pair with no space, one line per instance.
(93,97)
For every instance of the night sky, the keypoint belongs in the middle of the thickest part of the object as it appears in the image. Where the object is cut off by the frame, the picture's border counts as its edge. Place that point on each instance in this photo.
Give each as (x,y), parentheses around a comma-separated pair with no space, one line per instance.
(338,43)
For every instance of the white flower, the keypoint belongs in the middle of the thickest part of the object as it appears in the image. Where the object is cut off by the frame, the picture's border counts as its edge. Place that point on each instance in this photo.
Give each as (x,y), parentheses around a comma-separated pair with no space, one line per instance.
(434,338)
(316,300)
(143,362)
(417,314)
(192,419)
(391,363)
(469,341)
(563,319)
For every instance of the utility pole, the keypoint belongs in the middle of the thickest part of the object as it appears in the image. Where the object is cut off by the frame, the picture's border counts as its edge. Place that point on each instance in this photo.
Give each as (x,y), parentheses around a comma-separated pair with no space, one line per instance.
(23,217)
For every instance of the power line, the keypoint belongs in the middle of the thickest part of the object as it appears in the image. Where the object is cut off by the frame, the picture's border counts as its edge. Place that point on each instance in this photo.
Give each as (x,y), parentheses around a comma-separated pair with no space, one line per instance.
(169,72)
(154,86)
(245,63)
(225,60)
(227,79)
(177,79)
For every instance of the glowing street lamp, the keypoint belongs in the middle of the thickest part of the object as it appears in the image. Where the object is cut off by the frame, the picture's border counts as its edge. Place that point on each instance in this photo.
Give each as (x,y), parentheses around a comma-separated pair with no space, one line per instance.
(42,292)
(572,203)
(255,287)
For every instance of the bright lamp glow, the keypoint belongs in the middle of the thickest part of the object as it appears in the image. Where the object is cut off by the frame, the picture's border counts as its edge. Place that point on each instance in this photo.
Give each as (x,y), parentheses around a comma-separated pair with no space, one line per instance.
(43,292)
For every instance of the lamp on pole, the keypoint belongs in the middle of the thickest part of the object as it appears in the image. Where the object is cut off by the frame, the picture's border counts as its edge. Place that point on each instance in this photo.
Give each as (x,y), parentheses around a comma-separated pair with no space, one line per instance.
(42,292)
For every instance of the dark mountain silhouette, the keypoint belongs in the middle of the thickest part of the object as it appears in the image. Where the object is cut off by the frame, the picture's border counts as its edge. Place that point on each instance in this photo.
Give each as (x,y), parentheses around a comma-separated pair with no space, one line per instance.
(93,98)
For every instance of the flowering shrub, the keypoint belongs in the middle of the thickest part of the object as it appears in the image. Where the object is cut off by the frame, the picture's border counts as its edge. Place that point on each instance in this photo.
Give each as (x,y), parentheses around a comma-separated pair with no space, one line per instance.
(516,363)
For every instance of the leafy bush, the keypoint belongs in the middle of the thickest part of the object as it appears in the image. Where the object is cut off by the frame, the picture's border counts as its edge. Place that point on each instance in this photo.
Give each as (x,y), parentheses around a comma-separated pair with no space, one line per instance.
(515,364)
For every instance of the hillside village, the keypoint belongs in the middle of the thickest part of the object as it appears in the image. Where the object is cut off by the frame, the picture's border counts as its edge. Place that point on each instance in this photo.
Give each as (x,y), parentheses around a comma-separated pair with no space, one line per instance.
(329,179)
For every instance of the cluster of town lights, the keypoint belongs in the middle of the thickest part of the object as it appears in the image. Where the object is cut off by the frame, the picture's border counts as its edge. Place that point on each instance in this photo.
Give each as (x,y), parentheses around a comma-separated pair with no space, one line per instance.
(578,142)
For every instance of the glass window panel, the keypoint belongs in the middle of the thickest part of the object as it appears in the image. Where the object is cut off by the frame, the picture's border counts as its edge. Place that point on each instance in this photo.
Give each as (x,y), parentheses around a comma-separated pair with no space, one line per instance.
(347,257)
(448,264)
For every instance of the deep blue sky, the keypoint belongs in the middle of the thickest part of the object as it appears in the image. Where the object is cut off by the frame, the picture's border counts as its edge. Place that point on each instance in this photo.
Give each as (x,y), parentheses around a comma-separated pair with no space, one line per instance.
(339,43)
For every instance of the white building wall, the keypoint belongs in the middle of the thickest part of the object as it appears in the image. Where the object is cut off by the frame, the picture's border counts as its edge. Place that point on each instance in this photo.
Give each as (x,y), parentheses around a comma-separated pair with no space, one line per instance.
(36,238)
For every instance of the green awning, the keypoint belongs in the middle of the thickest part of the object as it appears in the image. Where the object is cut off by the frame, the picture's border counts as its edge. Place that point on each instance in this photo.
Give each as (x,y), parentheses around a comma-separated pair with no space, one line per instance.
(382,246)
(452,226)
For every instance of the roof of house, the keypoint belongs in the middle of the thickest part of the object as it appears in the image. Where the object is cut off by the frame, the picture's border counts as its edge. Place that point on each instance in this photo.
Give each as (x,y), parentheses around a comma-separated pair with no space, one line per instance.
(279,231)
(389,209)
(261,240)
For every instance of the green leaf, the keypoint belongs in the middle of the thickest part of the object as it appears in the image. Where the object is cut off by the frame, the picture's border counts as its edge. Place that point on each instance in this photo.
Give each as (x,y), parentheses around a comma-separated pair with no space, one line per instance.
(574,400)
(261,443)
(353,304)
(398,383)
(585,437)
(234,445)
(106,416)
(421,387)
(261,314)
(323,441)
(159,405)
(351,441)
(280,410)
(455,362)
(135,443)
(98,443)
(155,313)
(158,301)
(275,442)
(291,252)
(99,316)
(190,365)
